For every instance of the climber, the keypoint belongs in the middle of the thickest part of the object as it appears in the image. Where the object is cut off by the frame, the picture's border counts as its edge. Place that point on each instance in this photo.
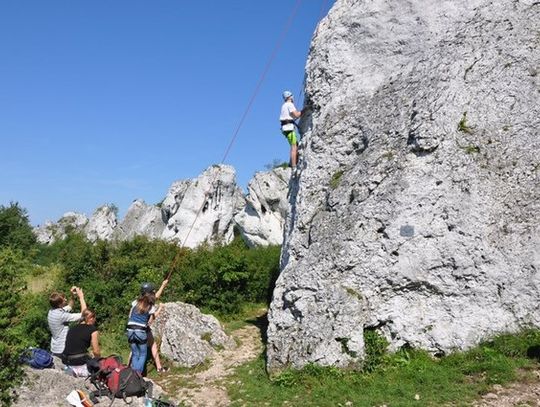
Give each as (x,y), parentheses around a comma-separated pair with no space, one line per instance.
(286,118)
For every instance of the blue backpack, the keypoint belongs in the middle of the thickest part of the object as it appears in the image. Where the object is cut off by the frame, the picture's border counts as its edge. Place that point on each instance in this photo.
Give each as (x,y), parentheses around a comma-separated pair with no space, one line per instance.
(37,358)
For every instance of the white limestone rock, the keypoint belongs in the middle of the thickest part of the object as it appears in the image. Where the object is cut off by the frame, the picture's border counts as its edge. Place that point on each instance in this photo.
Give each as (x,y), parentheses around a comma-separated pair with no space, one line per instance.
(202,210)
(140,220)
(262,218)
(102,224)
(415,212)
(69,222)
(50,387)
(189,337)
(45,233)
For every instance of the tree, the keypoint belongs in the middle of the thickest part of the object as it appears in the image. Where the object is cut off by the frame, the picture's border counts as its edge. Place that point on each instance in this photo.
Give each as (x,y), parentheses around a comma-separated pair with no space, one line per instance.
(12,267)
(15,229)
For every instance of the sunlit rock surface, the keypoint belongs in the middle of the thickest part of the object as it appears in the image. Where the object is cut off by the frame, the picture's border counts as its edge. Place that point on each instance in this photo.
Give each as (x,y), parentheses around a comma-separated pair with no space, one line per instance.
(262,219)
(202,210)
(416,209)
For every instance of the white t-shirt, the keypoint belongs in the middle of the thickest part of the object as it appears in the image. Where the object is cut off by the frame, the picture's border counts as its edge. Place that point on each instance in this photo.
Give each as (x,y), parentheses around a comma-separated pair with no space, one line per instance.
(286,109)
(59,319)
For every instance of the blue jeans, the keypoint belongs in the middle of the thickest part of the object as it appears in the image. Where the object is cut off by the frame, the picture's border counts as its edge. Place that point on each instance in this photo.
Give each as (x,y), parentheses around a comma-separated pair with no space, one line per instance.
(137,341)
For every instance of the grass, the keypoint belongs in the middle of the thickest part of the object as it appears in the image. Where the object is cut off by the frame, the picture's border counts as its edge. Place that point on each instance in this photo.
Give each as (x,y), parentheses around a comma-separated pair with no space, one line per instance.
(406,378)
(336,179)
(463,126)
(471,149)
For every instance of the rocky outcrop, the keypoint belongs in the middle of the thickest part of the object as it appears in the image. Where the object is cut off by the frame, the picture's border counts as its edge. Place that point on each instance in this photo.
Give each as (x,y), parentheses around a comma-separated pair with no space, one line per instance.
(69,222)
(50,387)
(203,209)
(194,211)
(140,220)
(415,212)
(262,218)
(189,337)
(102,224)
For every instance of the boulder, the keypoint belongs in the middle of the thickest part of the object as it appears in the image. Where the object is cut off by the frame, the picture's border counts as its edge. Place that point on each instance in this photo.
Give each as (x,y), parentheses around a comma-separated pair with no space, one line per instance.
(140,220)
(202,210)
(102,223)
(50,387)
(415,210)
(262,218)
(188,337)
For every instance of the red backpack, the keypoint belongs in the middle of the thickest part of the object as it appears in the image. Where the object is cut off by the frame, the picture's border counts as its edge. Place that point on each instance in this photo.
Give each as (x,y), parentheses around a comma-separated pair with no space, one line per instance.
(113,379)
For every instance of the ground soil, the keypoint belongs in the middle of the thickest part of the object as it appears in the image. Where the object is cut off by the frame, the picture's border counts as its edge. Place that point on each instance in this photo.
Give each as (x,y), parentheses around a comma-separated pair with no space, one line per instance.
(205,387)
(525,392)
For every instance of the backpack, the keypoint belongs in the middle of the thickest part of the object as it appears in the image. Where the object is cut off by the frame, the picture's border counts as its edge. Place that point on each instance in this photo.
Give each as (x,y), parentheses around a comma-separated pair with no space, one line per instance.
(113,379)
(37,358)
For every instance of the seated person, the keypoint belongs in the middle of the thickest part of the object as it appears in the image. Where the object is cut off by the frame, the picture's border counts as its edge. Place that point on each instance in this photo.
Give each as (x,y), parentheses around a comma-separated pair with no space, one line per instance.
(60,316)
(79,338)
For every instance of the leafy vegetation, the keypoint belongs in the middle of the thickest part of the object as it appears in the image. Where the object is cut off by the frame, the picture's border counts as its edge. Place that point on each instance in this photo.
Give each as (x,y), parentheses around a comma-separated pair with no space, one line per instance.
(463,126)
(220,280)
(336,179)
(406,378)
(15,230)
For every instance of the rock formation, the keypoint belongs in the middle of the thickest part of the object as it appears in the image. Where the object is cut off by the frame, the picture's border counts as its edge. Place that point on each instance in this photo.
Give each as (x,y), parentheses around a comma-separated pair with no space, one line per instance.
(69,222)
(415,212)
(102,224)
(189,337)
(140,220)
(203,209)
(50,387)
(213,198)
(261,221)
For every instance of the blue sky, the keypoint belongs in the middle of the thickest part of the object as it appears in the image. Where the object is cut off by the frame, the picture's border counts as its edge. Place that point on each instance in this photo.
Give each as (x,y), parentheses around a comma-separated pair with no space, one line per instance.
(109,101)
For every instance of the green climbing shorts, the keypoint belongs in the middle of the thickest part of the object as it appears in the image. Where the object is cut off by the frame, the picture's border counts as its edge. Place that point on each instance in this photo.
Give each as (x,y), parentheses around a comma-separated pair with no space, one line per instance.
(290,136)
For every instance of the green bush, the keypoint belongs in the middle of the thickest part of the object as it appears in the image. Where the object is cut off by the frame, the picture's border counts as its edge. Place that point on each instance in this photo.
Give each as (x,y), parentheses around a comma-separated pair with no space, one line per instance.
(15,229)
(13,267)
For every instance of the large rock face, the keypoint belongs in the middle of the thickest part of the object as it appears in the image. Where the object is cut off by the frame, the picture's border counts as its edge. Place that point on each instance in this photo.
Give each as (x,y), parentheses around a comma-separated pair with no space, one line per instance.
(189,337)
(140,220)
(416,209)
(203,209)
(102,224)
(262,219)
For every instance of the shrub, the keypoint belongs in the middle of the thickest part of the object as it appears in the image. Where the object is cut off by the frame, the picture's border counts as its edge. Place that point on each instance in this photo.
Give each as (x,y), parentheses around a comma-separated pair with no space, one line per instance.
(12,269)
(15,229)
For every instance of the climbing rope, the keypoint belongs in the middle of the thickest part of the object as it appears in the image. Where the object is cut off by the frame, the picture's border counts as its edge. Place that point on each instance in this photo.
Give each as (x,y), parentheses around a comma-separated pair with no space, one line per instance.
(262,78)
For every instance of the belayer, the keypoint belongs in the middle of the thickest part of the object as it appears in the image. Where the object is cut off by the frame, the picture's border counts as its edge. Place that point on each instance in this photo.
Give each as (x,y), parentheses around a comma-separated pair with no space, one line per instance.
(143,312)
(287,119)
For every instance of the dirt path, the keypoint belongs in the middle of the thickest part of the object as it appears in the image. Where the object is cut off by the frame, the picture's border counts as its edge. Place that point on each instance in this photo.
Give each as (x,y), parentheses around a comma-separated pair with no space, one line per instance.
(522,393)
(205,388)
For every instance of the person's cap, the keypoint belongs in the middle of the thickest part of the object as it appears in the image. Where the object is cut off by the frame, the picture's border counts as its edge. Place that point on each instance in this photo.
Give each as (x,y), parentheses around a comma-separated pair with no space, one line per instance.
(287,94)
